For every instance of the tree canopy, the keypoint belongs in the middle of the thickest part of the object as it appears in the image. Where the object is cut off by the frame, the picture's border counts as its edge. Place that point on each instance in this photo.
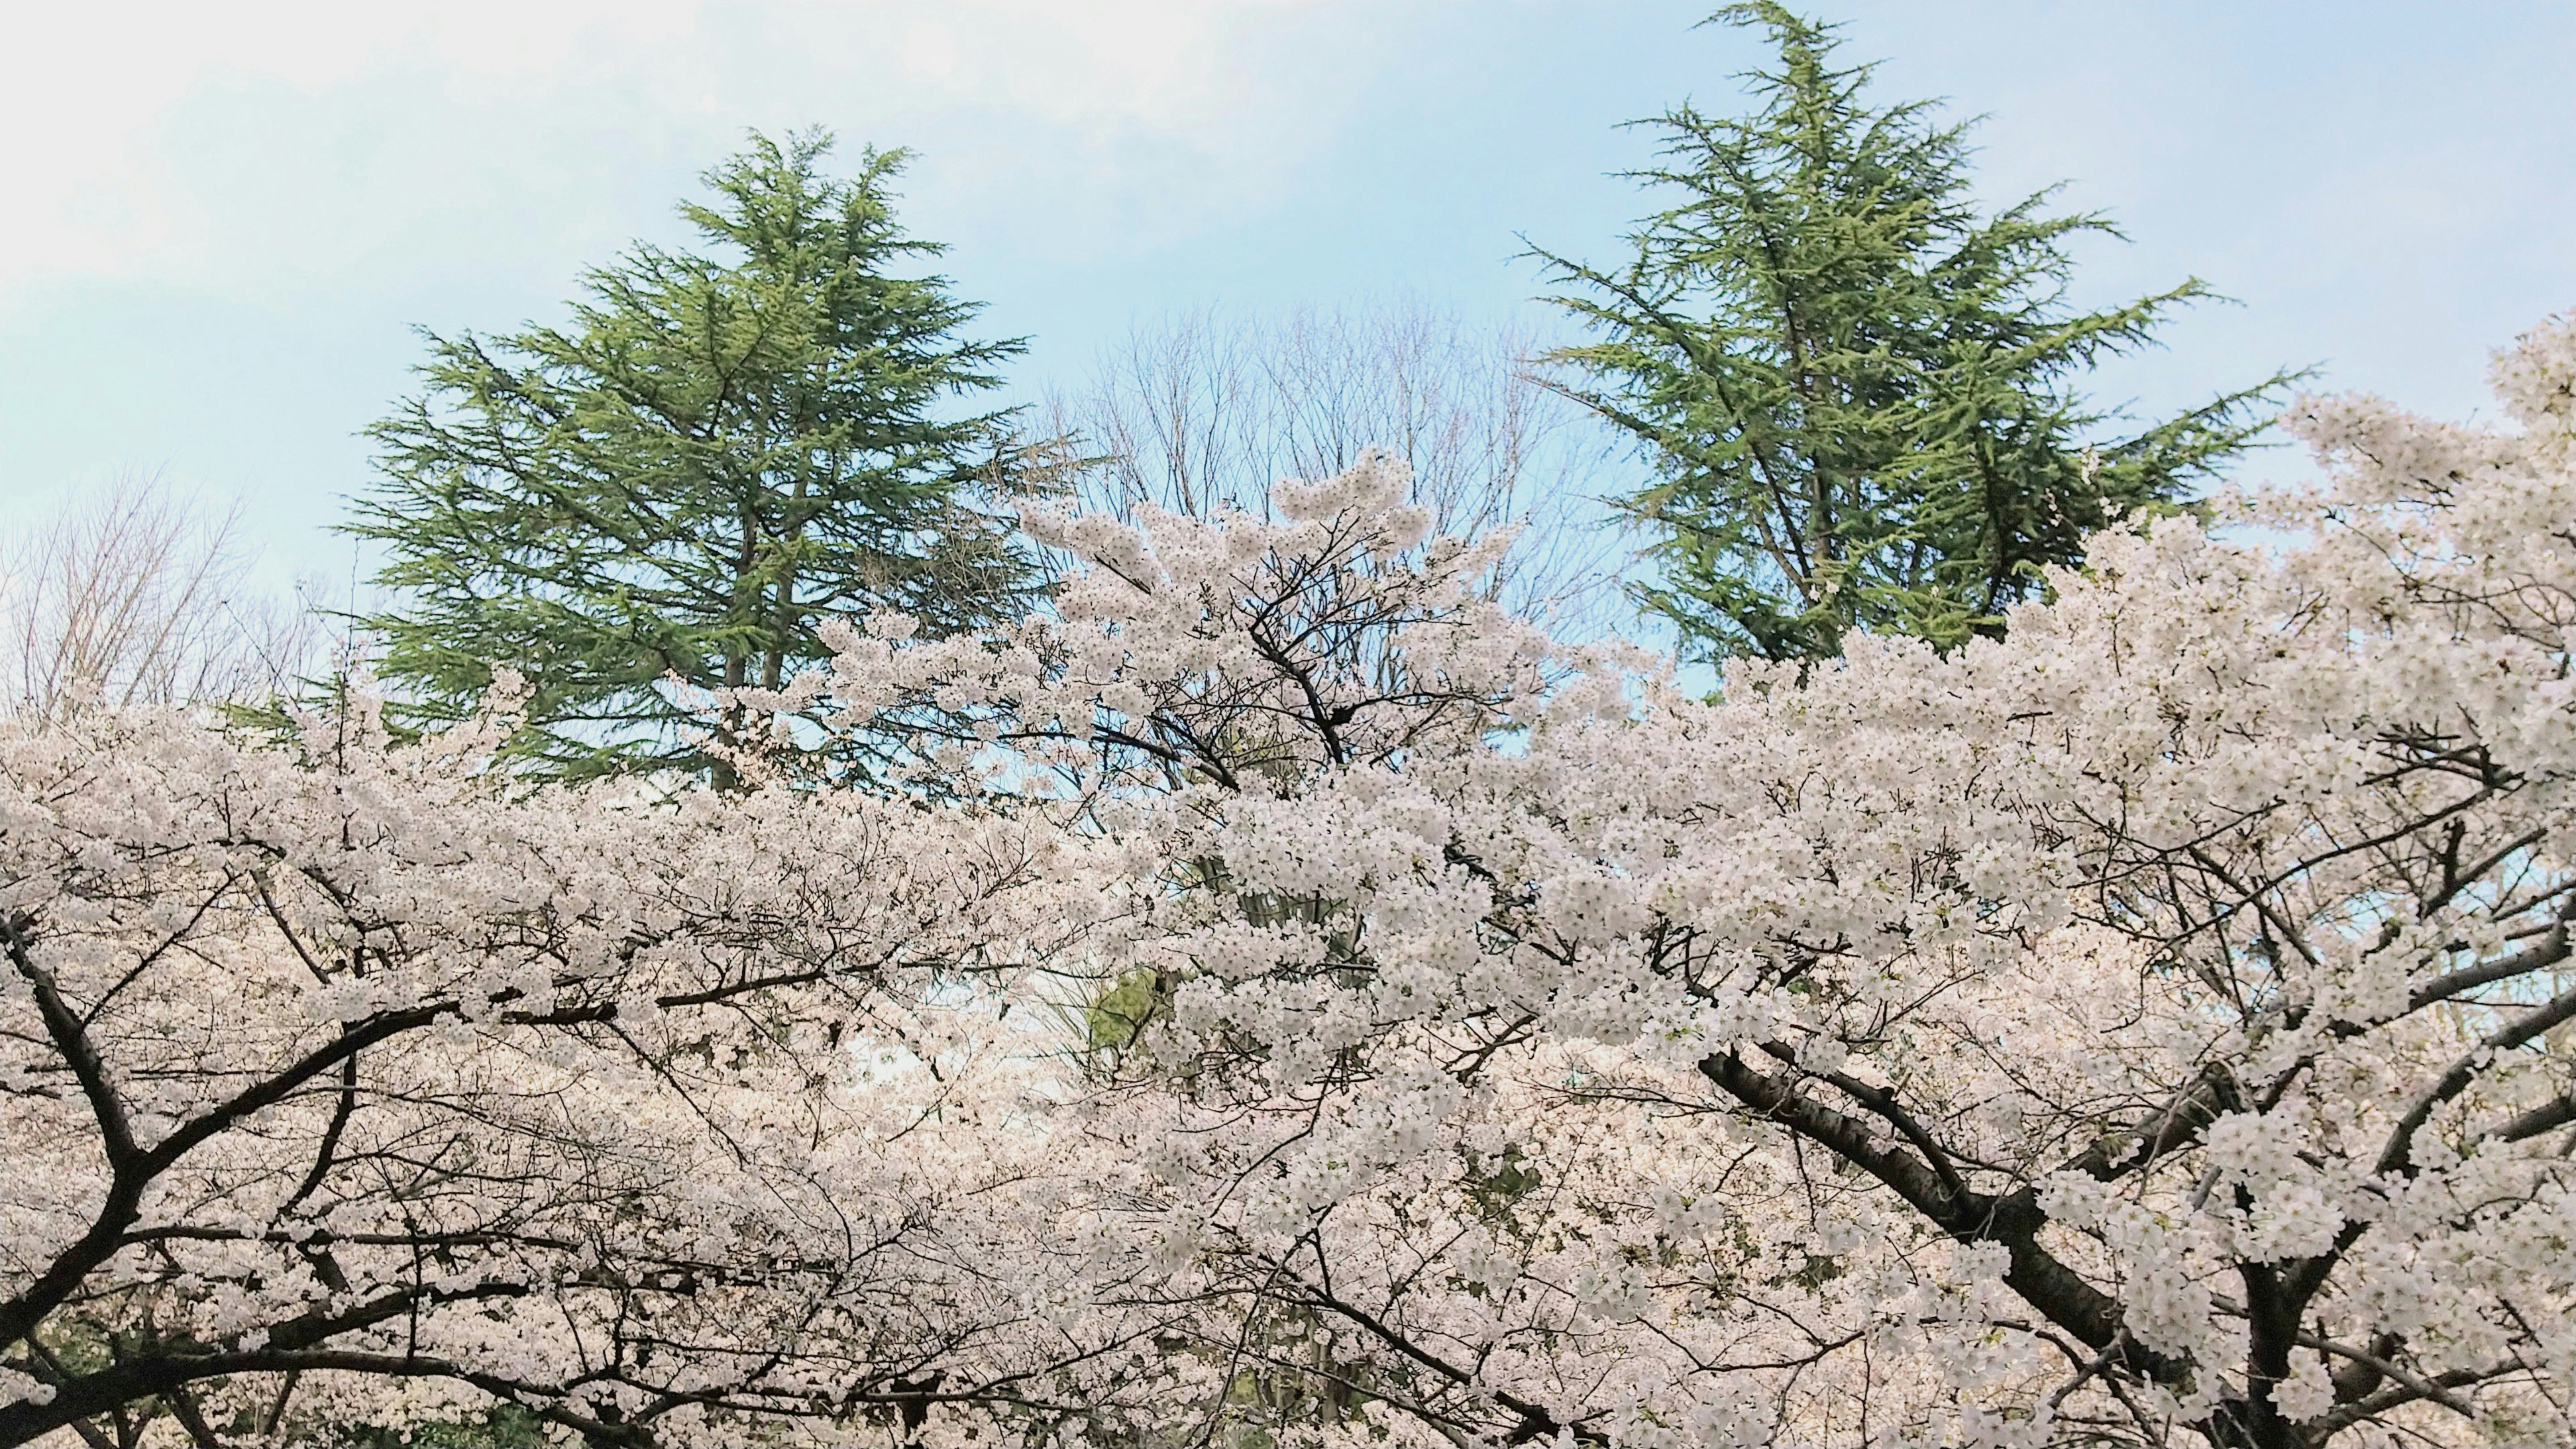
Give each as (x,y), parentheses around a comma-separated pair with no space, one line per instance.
(1861,394)
(720,450)
(1375,1022)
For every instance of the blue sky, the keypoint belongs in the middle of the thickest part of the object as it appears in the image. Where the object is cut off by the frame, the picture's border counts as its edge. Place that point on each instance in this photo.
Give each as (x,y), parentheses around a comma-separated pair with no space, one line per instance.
(223,220)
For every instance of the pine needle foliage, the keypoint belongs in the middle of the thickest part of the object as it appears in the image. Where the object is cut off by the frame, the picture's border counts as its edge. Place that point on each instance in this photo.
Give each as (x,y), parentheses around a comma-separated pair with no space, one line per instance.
(720,451)
(1860,394)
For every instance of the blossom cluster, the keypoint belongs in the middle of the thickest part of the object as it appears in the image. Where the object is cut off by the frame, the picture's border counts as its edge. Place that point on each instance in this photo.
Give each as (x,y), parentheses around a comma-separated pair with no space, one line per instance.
(1279,993)
(357,1084)
(2147,1024)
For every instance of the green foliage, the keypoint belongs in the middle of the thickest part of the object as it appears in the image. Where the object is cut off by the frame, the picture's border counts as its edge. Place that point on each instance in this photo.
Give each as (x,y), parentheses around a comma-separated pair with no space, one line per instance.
(1496,1191)
(1112,1020)
(1859,393)
(717,453)
(503,1426)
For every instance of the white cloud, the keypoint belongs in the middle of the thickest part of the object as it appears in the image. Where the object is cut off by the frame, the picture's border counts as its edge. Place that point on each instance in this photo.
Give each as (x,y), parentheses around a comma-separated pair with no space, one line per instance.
(317,144)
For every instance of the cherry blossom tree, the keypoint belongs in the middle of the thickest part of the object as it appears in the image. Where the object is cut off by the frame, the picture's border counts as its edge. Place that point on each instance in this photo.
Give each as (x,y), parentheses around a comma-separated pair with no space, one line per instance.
(1284,996)
(363,1086)
(2146,1028)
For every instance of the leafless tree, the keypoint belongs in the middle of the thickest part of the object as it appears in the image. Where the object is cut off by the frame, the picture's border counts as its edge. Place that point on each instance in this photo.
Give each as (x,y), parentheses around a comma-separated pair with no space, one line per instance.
(134,595)
(1204,410)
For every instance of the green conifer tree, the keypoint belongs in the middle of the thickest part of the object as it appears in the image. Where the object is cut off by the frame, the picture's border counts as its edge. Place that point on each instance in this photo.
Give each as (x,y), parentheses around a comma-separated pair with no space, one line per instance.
(1860,394)
(721,450)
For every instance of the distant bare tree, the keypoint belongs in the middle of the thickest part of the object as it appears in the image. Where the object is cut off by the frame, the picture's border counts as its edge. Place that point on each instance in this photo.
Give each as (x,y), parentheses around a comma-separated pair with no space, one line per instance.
(1206,410)
(134,596)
